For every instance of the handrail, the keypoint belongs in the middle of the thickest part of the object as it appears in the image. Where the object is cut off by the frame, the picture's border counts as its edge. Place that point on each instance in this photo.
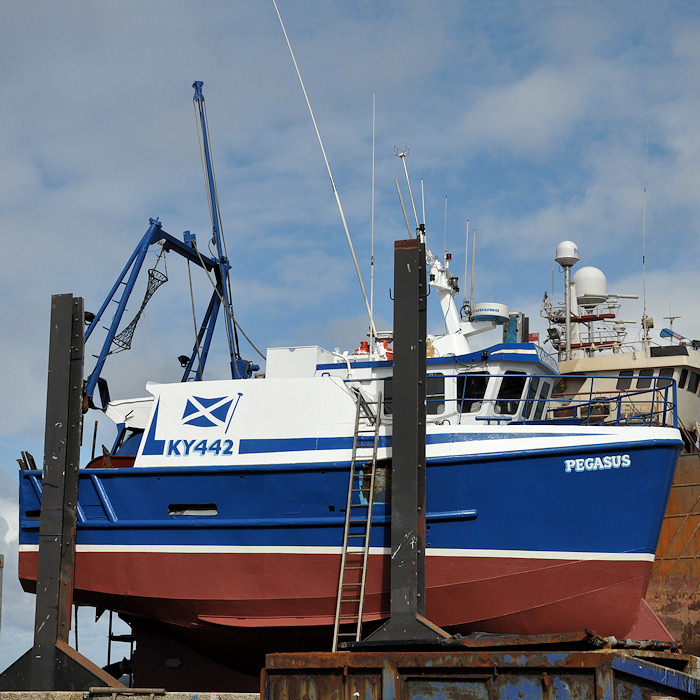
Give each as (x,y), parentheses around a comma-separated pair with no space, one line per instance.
(656,404)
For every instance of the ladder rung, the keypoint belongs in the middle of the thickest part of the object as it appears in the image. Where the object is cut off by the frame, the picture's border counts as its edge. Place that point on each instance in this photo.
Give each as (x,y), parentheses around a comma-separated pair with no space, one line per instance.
(362,471)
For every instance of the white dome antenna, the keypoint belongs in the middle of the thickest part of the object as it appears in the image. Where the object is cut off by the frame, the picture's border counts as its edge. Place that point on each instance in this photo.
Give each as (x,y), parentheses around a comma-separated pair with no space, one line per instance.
(591,286)
(567,256)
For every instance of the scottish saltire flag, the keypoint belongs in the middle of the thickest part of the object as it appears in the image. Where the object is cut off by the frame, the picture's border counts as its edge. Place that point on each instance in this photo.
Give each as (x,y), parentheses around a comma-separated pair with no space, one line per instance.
(206,413)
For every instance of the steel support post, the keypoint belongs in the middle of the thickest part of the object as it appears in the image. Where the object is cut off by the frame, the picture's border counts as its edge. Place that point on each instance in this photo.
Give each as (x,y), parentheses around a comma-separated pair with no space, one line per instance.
(408,450)
(62,440)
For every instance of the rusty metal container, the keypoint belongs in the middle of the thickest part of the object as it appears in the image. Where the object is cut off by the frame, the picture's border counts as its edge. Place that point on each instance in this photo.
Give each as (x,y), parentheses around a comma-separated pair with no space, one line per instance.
(522,668)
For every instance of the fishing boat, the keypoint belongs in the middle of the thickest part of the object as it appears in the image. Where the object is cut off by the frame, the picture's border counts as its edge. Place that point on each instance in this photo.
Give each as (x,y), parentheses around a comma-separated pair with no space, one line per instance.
(607,355)
(594,345)
(228,515)
(217,523)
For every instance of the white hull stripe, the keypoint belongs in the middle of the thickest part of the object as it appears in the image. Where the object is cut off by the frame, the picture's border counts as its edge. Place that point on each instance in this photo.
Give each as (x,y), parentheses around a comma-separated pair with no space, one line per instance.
(432,552)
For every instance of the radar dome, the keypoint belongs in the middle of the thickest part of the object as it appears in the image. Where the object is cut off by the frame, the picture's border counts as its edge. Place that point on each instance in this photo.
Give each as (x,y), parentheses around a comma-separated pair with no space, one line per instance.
(591,286)
(567,254)
(498,313)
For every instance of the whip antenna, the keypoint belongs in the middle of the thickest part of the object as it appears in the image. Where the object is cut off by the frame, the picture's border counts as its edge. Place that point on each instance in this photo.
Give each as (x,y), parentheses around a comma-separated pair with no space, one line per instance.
(466,262)
(330,174)
(645,323)
(471,296)
(402,152)
(444,228)
(403,209)
(371,261)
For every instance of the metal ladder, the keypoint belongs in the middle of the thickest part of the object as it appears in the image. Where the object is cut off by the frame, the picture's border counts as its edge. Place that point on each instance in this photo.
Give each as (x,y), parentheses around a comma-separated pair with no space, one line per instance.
(358,520)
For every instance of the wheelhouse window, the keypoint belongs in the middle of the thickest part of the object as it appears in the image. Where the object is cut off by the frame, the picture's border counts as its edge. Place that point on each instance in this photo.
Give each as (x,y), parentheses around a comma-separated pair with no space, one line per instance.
(665,378)
(510,393)
(388,396)
(683,378)
(471,389)
(624,381)
(693,383)
(532,396)
(435,394)
(644,380)
(542,399)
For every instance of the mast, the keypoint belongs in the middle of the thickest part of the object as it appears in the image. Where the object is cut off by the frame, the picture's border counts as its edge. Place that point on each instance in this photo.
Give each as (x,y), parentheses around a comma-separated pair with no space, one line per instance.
(223,266)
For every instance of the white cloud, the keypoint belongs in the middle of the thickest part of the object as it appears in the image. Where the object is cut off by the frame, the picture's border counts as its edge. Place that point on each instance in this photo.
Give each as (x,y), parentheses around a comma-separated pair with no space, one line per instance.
(530,117)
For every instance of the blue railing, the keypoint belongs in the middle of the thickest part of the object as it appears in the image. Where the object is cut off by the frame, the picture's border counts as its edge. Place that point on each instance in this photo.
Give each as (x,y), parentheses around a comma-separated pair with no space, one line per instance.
(653,405)
(527,399)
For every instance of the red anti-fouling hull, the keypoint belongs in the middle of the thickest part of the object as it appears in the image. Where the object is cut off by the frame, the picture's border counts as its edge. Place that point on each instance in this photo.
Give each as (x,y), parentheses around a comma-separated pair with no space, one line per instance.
(234,592)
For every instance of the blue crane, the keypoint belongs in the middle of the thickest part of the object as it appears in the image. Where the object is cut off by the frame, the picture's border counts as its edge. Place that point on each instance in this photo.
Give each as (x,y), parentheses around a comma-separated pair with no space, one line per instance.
(217,265)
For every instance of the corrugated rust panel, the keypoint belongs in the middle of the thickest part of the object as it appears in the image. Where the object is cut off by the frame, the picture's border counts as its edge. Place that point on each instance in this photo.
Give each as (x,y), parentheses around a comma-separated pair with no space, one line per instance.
(675,581)
(324,686)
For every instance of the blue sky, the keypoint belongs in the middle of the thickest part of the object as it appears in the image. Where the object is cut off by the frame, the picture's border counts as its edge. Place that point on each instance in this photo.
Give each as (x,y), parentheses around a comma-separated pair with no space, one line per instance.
(532,118)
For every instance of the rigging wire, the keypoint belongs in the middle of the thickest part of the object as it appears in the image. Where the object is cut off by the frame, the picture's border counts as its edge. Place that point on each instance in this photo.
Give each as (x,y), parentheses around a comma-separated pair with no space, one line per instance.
(221,299)
(221,232)
(228,288)
(194,320)
(213,199)
(328,168)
